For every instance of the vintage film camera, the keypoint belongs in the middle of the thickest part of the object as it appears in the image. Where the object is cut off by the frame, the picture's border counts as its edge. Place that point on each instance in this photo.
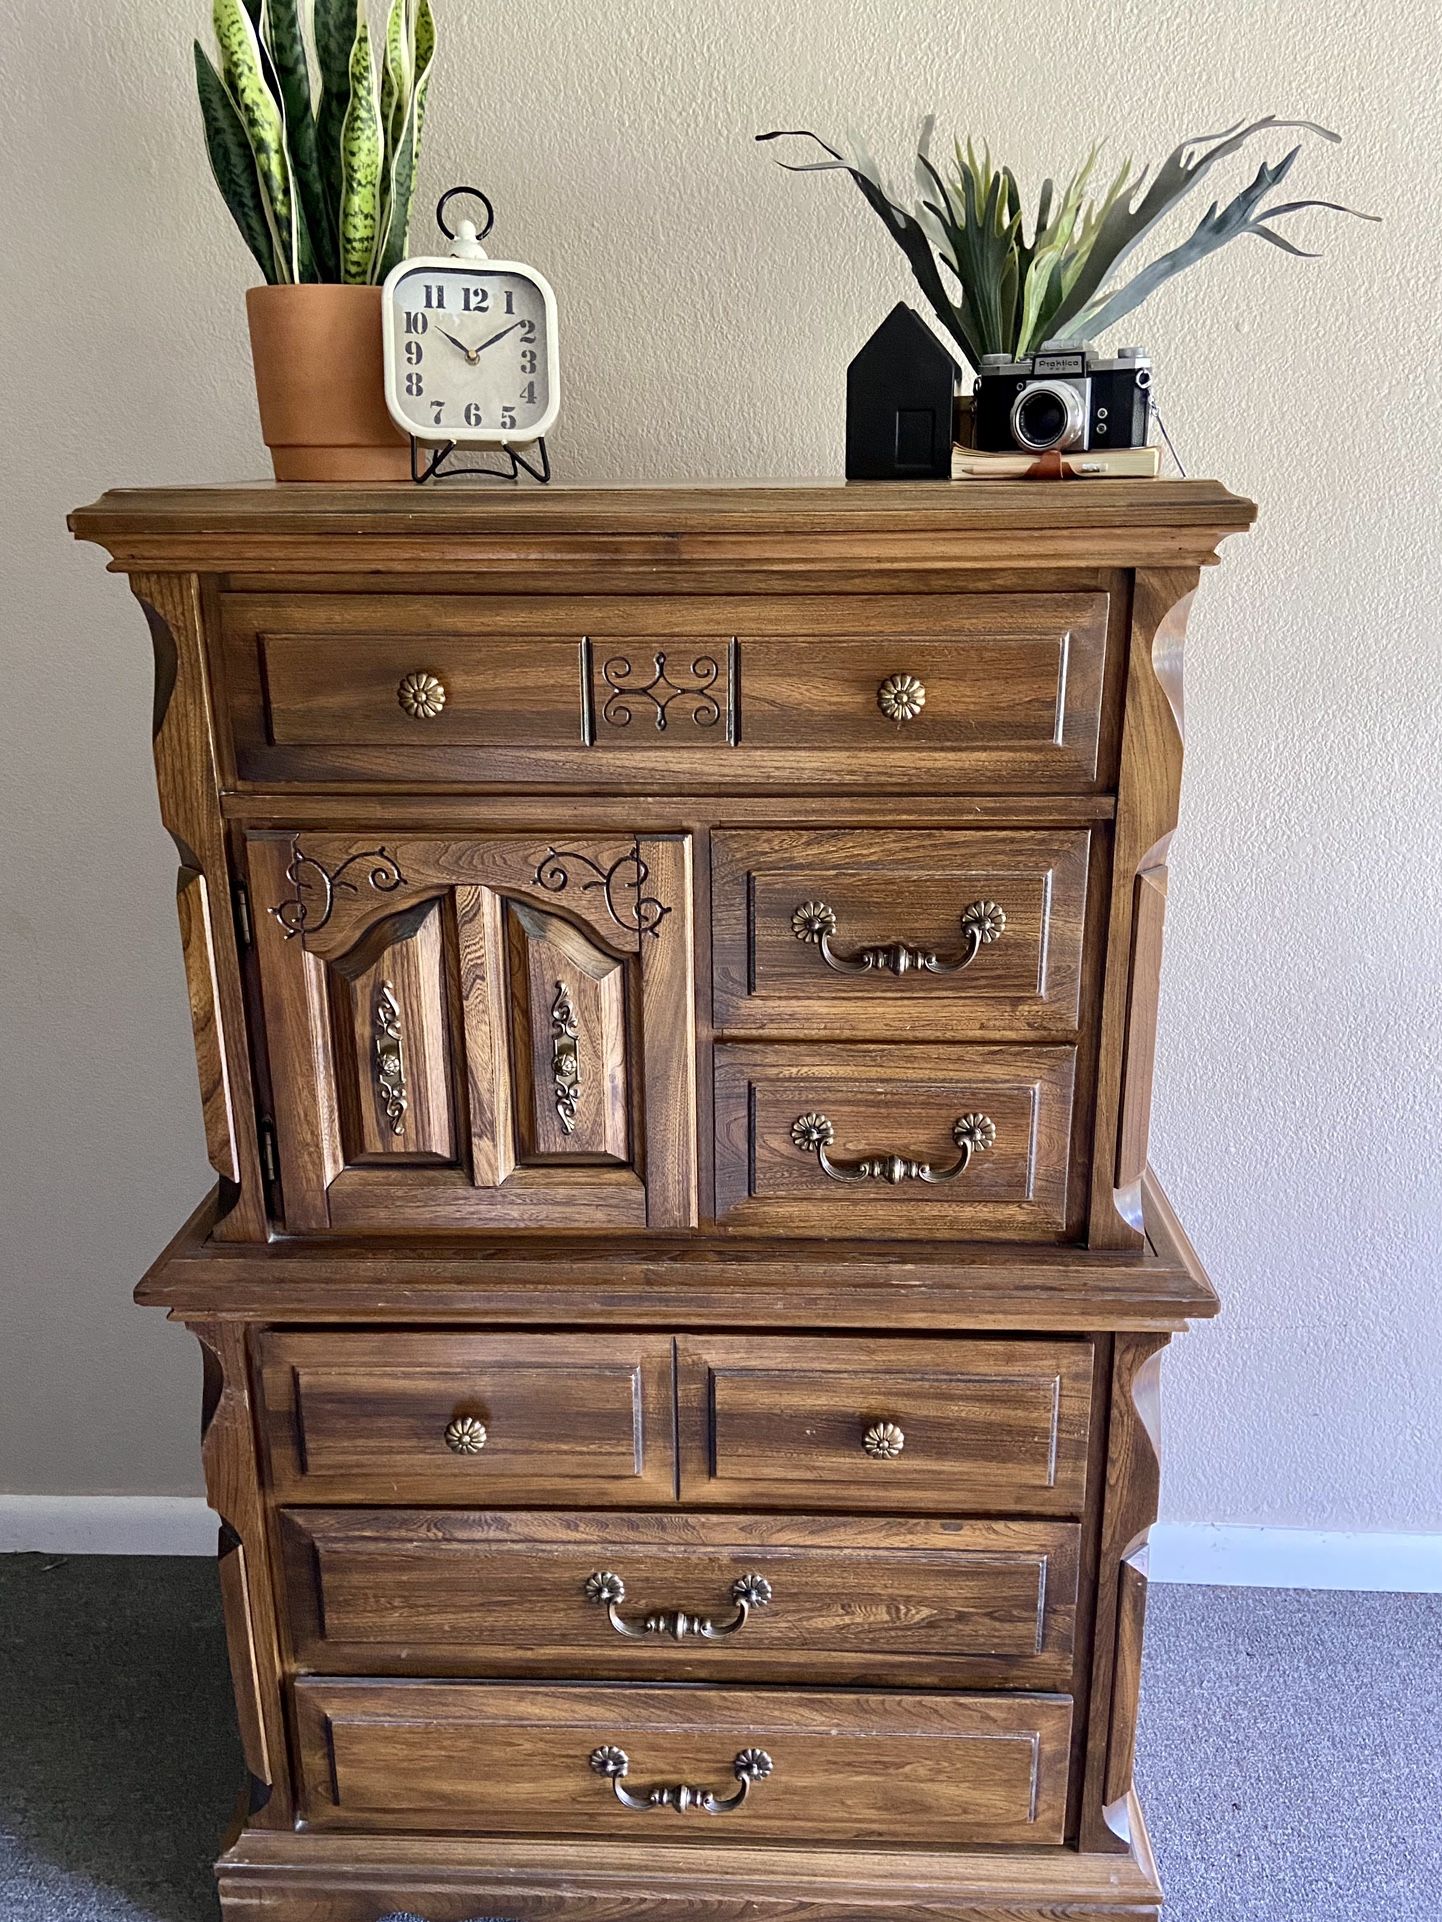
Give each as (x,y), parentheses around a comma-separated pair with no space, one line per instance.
(1062,398)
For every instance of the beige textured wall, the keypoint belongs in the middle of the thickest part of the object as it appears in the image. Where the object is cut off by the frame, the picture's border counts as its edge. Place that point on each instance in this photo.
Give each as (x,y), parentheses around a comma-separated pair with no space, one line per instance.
(709,304)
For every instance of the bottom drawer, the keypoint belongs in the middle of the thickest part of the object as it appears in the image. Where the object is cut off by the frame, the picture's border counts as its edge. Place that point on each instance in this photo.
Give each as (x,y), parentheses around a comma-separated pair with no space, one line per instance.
(937,1770)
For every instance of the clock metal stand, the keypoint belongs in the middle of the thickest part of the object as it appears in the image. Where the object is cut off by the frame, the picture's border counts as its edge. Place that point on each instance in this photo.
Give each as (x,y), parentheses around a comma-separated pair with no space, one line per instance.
(430,462)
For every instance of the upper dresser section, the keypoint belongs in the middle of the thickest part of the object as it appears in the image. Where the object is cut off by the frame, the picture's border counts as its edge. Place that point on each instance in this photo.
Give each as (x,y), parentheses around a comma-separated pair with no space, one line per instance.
(773,861)
(914,638)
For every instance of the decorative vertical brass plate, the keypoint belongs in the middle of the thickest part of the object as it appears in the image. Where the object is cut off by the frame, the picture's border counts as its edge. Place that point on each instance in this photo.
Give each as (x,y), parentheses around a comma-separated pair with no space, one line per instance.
(565,1057)
(390,1067)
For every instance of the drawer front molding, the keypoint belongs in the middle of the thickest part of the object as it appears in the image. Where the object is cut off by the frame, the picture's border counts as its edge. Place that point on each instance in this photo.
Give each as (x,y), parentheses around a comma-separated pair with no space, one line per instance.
(885,1424)
(474,1419)
(850,1600)
(929,1769)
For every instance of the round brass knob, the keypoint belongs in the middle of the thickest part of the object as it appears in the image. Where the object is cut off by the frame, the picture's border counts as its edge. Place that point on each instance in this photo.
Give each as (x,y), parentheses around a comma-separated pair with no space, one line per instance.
(901,697)
(465,1435)
(883,1441)
(421,695)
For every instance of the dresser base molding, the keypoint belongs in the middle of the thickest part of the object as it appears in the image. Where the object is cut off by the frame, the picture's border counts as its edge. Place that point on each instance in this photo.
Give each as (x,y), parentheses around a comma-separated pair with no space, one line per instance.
(279,1877)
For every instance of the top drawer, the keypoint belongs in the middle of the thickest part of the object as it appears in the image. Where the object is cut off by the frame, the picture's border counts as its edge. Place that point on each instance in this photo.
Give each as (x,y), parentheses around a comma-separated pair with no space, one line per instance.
(973,691)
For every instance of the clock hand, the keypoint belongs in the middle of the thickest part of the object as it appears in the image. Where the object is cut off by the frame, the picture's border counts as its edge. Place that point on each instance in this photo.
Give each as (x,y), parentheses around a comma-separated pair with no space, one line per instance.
(476,353)
(459,345)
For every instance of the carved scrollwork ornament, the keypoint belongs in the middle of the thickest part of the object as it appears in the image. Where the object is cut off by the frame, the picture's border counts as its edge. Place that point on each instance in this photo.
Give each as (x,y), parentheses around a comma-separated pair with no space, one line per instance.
(692,692)
(310,907)
(623,885)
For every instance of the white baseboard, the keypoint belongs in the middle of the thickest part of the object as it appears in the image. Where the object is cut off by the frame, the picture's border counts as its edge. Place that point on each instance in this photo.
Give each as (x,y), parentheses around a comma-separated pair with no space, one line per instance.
(106,1525)
(1243,1557)
(1235,1557)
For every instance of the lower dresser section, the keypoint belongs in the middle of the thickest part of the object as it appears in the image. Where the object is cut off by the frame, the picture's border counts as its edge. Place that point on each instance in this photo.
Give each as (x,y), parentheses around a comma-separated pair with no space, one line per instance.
(772,1765)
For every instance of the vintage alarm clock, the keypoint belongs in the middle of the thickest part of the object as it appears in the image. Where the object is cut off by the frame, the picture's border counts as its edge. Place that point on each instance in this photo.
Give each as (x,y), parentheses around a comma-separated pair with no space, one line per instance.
(470,352)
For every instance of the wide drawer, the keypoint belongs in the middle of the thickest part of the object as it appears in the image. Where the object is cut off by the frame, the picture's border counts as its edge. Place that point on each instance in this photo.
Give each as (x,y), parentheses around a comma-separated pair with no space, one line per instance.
(917,1602)
(839,1140)
(902,934)
(937,691)
(624,1763)
(865,1424)
(469,1419)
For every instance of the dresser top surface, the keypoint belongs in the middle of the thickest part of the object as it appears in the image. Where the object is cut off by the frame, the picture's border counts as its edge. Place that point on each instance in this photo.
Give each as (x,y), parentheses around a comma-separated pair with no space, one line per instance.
(796,508)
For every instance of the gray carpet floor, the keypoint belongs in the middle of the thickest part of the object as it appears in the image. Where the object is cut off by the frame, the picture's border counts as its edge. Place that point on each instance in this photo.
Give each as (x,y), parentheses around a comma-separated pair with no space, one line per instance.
(1291,1753)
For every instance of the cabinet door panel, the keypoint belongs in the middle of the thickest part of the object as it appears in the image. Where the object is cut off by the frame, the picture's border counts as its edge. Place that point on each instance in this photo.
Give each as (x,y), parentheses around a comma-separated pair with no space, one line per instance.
(486,1032)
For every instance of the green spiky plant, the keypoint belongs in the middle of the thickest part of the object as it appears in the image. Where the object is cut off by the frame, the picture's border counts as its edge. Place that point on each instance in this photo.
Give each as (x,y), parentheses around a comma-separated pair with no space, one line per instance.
(320,189)
(997,291)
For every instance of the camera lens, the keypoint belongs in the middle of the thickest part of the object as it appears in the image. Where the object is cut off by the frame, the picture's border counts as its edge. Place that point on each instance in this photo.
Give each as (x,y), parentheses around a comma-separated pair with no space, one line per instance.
(1041,417)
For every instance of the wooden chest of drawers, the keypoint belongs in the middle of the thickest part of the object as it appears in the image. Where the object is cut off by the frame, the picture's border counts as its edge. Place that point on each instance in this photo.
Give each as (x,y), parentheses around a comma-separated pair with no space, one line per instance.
(673,975)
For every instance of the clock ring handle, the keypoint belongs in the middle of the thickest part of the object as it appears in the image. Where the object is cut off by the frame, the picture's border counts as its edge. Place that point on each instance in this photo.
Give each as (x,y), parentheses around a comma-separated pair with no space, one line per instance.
(476,194)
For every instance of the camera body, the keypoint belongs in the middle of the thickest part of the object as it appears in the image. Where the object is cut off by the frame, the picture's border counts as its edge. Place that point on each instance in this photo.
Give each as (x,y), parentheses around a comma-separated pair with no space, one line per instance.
(1064,398)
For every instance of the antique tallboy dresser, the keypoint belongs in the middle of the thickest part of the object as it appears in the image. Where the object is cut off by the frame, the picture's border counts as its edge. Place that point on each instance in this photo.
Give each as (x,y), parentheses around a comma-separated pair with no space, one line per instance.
(673,975)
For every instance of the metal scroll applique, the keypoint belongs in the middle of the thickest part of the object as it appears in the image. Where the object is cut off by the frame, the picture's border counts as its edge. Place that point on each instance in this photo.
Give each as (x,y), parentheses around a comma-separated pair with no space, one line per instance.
(693,692)
(565,1058)
(316,886)
(623,884)
(390,1068)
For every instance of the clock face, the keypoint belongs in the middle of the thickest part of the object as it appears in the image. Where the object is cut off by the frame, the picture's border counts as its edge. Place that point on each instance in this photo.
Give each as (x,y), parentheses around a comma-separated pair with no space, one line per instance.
(470,351)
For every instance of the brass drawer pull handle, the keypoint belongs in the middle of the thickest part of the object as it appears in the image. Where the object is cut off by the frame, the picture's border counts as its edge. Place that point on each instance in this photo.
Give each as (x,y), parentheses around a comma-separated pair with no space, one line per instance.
(422,695)
(607,1591)
(814,1134)
(901,697)
(466,1435)
(751,1765)
(981,923)
(884,1441)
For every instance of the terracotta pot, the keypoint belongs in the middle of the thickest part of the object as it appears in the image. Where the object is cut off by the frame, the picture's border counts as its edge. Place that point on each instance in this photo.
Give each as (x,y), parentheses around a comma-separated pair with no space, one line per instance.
(317,354)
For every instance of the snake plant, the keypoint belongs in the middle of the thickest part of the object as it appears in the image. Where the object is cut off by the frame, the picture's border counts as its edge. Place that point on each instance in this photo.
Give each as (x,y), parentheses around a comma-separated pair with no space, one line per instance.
(997,290)
(321,187)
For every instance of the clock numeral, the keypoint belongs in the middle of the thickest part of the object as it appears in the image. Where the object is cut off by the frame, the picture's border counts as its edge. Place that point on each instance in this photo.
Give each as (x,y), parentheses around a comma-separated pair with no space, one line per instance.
(528,331)
(510,301)
(415,386)
(435,296)
(414,353)
(528,360)
(508,417)
(439,408)
(416,323)
(475,300)
(528,393)
(473,414)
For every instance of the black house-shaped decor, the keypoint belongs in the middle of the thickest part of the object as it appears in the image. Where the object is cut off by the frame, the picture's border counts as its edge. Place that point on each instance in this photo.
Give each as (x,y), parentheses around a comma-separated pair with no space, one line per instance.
(899,395)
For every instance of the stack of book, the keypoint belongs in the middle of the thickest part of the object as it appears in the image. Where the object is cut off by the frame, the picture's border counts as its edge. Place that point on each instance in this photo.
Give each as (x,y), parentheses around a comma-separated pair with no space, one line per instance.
(1116,463)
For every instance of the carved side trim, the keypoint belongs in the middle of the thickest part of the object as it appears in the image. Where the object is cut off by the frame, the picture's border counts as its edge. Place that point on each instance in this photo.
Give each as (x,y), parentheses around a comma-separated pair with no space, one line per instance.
(1148,790)
(1133,1484)
(233,1491)
(187,781)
